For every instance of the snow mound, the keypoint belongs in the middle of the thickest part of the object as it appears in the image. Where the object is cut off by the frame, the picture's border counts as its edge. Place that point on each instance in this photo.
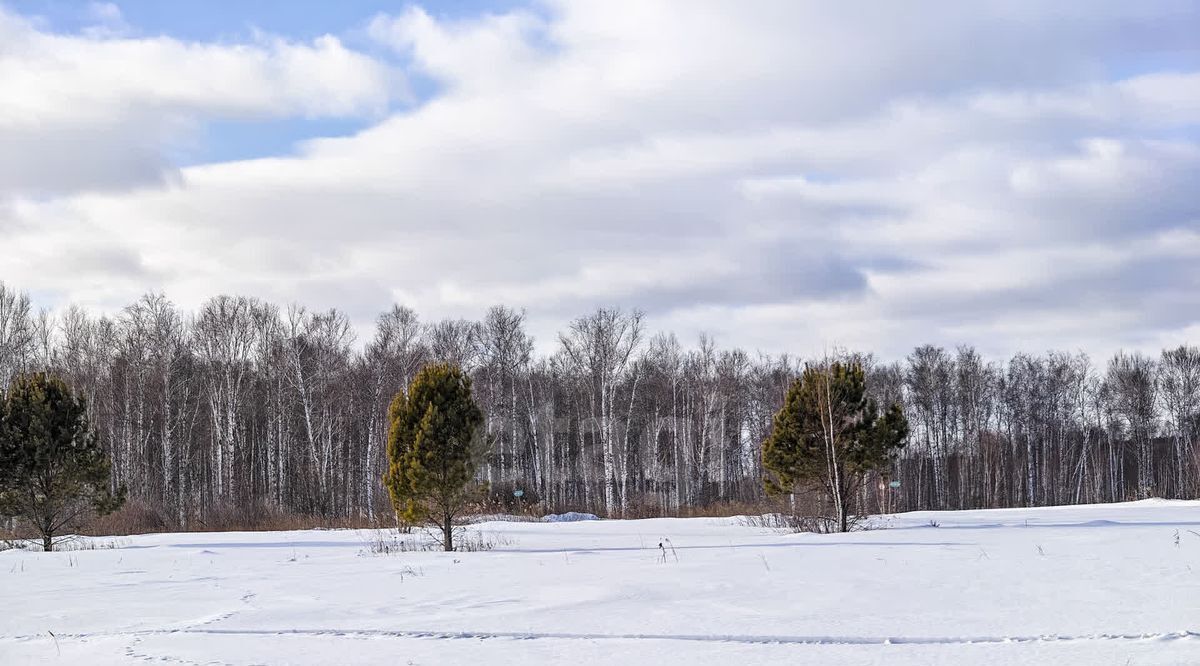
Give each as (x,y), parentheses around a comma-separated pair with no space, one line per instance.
(569,517)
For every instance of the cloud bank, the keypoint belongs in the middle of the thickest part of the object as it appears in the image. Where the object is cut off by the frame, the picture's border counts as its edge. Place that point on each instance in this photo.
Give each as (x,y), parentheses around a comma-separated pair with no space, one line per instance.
(783,175)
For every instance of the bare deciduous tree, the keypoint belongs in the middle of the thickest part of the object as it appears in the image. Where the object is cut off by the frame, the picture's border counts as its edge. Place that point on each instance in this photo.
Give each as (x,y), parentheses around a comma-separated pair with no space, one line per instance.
(242,407)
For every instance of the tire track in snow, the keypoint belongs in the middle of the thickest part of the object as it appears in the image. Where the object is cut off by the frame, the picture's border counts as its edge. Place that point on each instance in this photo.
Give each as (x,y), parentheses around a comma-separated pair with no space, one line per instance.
(707,638)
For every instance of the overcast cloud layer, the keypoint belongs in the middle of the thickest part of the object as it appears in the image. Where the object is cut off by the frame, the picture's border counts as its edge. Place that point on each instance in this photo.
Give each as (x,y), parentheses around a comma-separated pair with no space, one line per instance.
(787,176)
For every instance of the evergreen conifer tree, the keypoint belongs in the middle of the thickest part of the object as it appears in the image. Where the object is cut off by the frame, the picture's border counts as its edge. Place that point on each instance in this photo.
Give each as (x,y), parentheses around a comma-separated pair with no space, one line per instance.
(829,435)
(434,447)
(53,472)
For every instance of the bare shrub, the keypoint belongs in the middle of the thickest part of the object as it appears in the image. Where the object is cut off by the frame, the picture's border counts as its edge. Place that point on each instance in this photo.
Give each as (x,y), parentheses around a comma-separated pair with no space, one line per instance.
(259,517)
(142,518)
(502,498)
(8,538)
(91,543)
(135,517)
(473,542)
(796,523)
(392,542)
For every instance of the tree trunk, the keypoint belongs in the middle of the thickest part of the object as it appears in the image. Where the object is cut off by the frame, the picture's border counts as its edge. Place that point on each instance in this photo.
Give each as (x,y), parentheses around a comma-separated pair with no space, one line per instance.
(447,534)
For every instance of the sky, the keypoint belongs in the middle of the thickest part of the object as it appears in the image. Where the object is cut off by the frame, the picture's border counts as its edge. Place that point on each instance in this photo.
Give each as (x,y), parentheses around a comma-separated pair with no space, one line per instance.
(781,175)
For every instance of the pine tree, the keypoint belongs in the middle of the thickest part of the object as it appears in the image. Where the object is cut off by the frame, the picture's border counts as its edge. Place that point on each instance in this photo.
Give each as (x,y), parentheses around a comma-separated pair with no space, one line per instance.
(434,446)
(54,472)
(829,435)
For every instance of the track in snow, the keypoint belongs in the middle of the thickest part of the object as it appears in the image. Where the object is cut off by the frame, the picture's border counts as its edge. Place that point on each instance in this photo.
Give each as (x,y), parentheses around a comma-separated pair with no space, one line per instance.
(713,638)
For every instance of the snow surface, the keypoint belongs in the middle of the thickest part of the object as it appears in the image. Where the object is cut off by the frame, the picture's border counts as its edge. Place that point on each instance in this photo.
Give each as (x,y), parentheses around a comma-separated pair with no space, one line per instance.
(1103,584)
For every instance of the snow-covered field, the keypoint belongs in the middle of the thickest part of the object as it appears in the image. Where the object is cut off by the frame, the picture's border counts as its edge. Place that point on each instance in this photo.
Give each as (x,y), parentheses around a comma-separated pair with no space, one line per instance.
(1115,584)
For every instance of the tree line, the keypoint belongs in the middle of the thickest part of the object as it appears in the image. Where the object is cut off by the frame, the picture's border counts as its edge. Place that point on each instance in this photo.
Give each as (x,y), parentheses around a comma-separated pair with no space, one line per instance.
(243,403)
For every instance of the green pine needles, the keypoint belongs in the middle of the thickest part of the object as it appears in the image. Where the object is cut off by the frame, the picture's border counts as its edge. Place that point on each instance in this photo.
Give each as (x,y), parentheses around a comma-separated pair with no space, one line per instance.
(829,435)
(53,472)
(435,444)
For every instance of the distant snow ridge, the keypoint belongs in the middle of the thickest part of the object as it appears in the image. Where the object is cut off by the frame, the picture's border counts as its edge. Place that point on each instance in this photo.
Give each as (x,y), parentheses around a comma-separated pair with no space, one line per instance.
(569,517)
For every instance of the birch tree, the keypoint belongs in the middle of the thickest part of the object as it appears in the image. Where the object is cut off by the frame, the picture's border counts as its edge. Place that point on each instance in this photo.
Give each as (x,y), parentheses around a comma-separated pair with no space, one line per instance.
(1179,387)
(224,336)
(1131,377)
(601,346)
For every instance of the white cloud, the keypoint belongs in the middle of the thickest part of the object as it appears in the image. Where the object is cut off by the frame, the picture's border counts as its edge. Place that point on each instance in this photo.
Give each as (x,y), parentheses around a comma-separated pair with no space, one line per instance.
(787,175)
(102,111)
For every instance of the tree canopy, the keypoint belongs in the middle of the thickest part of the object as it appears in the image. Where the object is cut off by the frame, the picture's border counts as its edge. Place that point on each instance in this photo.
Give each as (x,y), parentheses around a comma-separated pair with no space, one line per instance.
(829,435)
(53,471)
(434,446)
